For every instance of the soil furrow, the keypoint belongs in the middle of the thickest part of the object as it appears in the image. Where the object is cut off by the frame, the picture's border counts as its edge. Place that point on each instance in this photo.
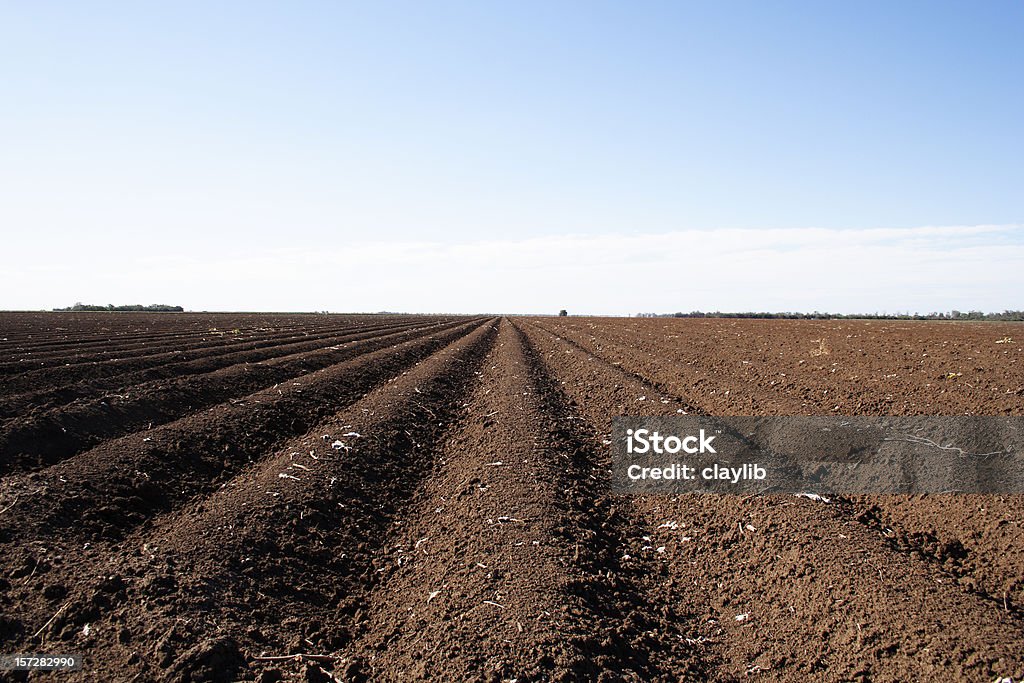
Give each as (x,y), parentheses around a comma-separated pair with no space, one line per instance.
(118,349)
(434,503)
(665,639)
(42,440)
(73,345)
(43,378)
(214,328)
(813,367)
(43,330)
(267,563)
(103,348)
(958,536)
(22,404)
(799,588)
(107,491)
(645,367)
(503,564)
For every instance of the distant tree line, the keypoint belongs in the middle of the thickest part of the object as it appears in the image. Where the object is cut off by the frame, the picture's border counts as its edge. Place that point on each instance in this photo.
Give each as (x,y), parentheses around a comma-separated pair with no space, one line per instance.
(816,315)
(152,308)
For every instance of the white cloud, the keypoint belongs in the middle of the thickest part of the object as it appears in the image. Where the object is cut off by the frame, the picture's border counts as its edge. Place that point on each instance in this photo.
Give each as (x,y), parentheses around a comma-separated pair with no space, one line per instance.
(919,269)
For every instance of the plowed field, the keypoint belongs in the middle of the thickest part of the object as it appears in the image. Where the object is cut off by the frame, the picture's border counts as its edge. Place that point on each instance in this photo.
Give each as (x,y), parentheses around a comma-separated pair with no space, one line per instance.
(266,497)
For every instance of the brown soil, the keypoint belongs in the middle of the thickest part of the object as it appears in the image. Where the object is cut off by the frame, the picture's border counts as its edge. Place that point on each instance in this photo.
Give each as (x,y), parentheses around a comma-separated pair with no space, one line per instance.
(405,498)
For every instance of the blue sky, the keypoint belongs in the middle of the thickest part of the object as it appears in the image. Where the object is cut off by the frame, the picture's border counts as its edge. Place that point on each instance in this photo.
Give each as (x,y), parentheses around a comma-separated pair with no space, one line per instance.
(210,135)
